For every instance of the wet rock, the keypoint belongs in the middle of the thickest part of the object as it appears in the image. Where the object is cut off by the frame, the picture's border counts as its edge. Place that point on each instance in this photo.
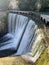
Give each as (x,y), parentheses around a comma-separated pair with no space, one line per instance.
(2,28)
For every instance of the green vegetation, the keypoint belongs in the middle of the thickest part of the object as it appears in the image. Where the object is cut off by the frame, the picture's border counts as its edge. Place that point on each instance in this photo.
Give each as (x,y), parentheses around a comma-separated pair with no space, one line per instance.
(27,4)
(35,5)
(45,3)
(43,59)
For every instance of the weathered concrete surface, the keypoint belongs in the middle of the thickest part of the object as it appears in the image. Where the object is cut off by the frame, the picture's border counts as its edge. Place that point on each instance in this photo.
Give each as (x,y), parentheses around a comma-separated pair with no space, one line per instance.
(14,61)
(45,18)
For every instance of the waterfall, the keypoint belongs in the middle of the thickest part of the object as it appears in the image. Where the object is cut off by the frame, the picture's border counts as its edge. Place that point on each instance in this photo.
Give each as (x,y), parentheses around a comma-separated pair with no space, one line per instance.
(23,37)
(23,30)
(26,35)
(36,49)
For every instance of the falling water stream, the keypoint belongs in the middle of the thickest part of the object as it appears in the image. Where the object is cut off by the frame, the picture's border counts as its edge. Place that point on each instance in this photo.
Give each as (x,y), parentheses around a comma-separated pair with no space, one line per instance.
(26,35)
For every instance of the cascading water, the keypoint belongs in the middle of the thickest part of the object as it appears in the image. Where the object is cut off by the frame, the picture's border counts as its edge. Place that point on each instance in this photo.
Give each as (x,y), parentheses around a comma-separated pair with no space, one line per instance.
(37,47)
(22,37)
(30,41)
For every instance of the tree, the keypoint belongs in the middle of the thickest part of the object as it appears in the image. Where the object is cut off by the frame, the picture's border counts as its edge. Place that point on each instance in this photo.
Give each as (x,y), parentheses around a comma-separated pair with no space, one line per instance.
(27,4)
(44,3)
